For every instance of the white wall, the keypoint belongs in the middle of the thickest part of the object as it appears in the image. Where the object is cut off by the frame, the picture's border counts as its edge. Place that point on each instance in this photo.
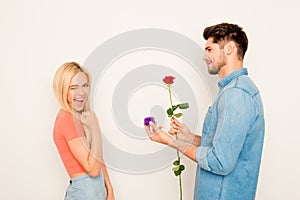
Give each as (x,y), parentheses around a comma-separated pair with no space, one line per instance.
(37,36)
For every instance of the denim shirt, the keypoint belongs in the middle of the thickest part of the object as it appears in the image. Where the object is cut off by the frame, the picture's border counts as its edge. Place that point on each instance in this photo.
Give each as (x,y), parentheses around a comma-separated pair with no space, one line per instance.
(232,139)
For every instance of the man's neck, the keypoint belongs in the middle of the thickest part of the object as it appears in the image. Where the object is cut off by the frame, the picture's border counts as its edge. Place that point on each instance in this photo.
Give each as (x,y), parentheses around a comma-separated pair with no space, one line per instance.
(229,68)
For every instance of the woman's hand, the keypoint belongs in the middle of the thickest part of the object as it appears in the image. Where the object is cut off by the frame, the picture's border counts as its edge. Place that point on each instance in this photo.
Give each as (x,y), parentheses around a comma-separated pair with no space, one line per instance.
(110,195)
(90,120)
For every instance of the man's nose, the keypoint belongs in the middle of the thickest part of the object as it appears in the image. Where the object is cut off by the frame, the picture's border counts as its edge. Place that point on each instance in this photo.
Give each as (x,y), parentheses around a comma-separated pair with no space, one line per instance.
(205,56)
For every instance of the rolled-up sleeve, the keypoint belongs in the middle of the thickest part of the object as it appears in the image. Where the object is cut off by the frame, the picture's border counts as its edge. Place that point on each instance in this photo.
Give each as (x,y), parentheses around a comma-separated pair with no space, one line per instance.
(233,113)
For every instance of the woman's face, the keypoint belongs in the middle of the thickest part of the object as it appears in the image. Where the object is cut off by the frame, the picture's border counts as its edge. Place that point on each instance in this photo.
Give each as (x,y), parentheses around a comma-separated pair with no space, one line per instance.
(79,90)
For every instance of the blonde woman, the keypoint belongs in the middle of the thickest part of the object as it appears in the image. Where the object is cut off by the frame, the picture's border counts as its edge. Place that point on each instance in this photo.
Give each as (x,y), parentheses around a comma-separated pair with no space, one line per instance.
(77,136)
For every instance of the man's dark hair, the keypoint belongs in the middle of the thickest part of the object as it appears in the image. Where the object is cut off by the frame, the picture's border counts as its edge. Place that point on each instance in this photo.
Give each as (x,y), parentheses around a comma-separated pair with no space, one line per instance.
(228,32)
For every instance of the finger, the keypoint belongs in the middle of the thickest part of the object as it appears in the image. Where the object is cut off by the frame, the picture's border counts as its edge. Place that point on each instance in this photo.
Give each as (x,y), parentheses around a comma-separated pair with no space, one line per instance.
(82,118)
(84,113)
(148,131)
(154,127)
(174,126)
(150,134)
(172,131)
(175,121)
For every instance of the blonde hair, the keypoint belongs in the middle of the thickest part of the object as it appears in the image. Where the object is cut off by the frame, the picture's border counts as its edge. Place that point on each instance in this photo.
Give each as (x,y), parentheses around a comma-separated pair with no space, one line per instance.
(62,81)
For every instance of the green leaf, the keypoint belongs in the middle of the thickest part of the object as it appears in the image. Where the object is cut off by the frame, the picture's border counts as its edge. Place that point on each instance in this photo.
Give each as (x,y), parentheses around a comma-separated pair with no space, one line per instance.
(177,173)
(176,162)
(178,115)
(181,167)
(175,107)
(175,168)
(183,106)
(170,112)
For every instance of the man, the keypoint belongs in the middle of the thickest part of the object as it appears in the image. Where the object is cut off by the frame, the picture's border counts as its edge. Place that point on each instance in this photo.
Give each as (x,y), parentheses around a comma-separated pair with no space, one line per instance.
(229,152)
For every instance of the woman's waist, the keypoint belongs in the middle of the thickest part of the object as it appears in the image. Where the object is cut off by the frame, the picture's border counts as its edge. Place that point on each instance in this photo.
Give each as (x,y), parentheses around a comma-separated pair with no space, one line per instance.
(83,175)
(75,175)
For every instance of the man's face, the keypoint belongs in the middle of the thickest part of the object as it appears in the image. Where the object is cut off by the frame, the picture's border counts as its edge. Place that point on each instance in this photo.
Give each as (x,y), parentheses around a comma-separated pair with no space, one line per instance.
(214,57)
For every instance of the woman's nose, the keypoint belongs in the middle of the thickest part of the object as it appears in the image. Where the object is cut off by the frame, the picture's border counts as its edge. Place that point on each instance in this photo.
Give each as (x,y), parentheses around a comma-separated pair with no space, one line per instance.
(80,90)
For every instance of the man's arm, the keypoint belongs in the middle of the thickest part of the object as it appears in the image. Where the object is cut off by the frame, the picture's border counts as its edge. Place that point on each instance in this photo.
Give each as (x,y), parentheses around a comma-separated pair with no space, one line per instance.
(188,150)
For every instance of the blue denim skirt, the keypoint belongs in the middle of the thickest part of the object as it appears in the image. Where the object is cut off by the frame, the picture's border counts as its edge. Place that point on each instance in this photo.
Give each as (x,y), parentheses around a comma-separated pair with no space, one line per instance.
(86,187)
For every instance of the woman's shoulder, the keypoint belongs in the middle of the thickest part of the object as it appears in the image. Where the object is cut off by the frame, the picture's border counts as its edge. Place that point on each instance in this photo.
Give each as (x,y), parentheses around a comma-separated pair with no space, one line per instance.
(64,114)
(64,117)
(66,123)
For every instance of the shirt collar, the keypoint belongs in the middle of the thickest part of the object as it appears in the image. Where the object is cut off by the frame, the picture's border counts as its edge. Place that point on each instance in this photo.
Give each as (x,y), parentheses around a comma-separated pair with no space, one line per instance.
(227,79)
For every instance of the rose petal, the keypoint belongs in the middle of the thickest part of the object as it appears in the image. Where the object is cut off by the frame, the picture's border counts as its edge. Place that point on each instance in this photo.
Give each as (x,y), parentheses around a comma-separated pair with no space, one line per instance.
(169,79)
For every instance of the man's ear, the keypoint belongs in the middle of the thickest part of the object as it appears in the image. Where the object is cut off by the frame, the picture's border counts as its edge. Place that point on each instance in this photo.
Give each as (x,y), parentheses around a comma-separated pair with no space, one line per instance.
(229,47)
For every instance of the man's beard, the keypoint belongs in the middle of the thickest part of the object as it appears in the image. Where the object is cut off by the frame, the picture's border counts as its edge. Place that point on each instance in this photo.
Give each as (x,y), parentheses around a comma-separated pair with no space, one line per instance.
(214,69)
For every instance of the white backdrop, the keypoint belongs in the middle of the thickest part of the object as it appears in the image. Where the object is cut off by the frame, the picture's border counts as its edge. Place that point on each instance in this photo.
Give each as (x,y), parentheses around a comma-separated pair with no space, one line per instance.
(37,36)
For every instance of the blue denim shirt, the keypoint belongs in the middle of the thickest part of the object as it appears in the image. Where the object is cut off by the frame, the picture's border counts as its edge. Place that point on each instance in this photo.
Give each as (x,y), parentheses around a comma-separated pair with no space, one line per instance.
(232,140)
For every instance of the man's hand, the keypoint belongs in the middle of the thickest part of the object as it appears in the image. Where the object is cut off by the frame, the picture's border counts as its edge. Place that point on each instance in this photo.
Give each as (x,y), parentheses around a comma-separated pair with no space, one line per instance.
(157,134)
(183,133)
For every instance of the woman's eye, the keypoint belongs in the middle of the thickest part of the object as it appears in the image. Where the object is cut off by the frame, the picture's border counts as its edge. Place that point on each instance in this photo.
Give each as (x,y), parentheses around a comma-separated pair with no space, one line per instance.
(86,85)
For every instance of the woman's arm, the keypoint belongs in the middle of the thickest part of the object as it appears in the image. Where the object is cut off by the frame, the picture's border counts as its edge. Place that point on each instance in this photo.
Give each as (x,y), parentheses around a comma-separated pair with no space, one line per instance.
(88,151)
(108,185)
(90,163)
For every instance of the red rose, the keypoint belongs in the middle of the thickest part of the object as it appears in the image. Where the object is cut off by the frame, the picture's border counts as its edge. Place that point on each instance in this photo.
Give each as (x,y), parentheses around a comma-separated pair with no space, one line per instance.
(168,79)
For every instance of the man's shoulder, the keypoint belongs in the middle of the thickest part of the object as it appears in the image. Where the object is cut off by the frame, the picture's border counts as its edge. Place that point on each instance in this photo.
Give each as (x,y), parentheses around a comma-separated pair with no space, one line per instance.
(245,84)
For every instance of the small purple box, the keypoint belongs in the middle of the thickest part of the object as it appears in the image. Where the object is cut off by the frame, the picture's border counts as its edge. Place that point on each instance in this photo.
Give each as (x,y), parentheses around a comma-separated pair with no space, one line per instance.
(148,119)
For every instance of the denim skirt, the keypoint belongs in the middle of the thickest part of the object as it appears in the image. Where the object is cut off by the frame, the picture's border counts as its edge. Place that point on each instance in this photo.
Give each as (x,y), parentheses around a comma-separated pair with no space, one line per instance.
(86,187)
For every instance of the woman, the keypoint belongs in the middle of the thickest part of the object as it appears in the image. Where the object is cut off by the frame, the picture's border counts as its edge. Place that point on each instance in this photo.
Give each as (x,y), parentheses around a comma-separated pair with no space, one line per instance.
(77,136)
